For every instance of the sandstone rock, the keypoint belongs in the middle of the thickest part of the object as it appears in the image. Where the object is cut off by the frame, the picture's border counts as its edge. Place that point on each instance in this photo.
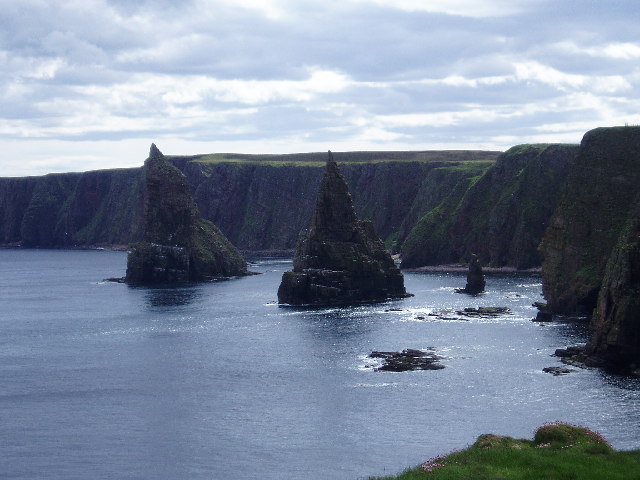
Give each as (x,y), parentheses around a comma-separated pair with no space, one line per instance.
(179,245)
(341,261)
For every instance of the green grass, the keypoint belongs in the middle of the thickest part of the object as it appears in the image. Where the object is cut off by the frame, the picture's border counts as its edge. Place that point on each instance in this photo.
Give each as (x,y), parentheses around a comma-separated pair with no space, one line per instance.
(318,159)
(558,451)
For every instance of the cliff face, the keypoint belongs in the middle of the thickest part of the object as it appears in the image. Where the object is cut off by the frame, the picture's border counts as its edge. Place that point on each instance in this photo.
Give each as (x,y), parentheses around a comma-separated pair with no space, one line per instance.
(258,202)
(616,320)
(178,244)
(263,207)
(500,215)
(65,210)
(586,225)
(341,261)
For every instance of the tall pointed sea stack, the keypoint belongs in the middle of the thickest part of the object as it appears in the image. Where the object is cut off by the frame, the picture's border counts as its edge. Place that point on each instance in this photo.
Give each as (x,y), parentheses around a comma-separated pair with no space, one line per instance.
(179,245)
(342,261)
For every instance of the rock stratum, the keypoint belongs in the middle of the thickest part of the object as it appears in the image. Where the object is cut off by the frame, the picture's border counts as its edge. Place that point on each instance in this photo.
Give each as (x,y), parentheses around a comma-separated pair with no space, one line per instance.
(178,244)
(341,261)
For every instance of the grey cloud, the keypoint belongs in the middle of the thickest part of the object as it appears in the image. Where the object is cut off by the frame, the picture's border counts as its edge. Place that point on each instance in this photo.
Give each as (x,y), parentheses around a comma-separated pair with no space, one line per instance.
(120,59)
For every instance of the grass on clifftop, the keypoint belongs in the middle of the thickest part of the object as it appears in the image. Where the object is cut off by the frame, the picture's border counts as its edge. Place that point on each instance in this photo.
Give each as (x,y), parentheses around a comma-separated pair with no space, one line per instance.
(559,451)
(318,159)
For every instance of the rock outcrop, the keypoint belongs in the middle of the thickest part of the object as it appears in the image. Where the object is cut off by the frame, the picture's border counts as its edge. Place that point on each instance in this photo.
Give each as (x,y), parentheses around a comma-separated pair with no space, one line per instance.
(408,359)
(592,212)
(615,325)
(179,245)
(475,278)
(341,261)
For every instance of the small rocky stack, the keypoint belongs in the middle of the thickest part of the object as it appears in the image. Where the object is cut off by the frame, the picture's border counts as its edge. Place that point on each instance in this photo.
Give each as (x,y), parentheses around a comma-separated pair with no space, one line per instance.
(342,261)
(475,278)
(179,245)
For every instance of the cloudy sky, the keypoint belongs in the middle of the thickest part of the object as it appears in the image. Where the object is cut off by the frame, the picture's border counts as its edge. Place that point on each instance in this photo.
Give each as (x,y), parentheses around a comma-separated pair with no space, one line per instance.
(88,84)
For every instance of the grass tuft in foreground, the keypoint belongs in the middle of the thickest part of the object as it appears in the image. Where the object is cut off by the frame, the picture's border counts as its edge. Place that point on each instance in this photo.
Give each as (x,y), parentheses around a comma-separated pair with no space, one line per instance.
(559,451)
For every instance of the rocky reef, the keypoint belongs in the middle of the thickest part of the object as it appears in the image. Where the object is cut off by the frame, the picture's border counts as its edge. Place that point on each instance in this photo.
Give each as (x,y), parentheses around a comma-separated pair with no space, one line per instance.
(408,359)
(341,261)
(179,245)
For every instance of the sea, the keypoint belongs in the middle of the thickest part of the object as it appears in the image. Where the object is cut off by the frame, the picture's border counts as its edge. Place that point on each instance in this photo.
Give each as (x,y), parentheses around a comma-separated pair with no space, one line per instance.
(101,380)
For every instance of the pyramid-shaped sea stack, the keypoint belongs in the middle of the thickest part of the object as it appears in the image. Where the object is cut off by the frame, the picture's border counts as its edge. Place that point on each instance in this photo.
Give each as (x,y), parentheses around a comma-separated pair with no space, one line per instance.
(179,245)
(342,261)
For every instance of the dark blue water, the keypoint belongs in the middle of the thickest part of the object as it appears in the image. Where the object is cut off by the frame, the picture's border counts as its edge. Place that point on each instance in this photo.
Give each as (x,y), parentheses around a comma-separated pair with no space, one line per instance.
(214,381)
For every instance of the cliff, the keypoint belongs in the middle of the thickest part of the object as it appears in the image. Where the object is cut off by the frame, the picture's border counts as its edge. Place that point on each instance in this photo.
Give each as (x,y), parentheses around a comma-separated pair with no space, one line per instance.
(615,341)
(179,245)
(72,209)
(341,261)
(592,212)
(260,202)
(500,214)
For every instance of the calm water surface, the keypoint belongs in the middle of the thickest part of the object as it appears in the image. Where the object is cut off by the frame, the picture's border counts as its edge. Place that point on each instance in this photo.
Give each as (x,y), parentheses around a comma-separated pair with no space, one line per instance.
(214,381)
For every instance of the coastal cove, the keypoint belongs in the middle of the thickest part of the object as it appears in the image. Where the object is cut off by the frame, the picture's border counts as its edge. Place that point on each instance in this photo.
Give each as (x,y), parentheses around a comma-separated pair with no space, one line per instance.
(215,380)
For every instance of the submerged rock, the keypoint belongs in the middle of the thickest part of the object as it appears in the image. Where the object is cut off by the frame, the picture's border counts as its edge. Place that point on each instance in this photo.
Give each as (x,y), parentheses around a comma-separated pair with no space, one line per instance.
(475,278)
(557,371)
(342,261)
(179,245)
(408,359)
(470,312)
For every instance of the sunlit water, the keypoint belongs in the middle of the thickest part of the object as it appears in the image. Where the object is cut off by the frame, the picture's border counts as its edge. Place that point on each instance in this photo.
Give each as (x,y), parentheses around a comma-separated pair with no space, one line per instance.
(215,381)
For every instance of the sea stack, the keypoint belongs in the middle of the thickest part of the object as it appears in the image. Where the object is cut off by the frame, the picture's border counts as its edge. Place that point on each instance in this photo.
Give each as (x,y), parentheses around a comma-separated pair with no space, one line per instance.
(179,245)
(342,261)
(475,278)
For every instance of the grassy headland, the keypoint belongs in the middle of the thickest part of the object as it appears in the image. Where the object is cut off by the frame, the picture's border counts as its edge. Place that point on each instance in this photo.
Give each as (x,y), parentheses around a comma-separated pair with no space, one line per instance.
(318,159)
(559,451)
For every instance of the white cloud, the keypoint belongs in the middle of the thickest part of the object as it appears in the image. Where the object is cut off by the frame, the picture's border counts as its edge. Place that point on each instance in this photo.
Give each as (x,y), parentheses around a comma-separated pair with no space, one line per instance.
(285,75)
(467,8)
(617,51)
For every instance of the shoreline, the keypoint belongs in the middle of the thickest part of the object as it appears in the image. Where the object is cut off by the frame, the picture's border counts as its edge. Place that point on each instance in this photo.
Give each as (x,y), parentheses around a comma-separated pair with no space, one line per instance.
(461,268)
(443,268)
